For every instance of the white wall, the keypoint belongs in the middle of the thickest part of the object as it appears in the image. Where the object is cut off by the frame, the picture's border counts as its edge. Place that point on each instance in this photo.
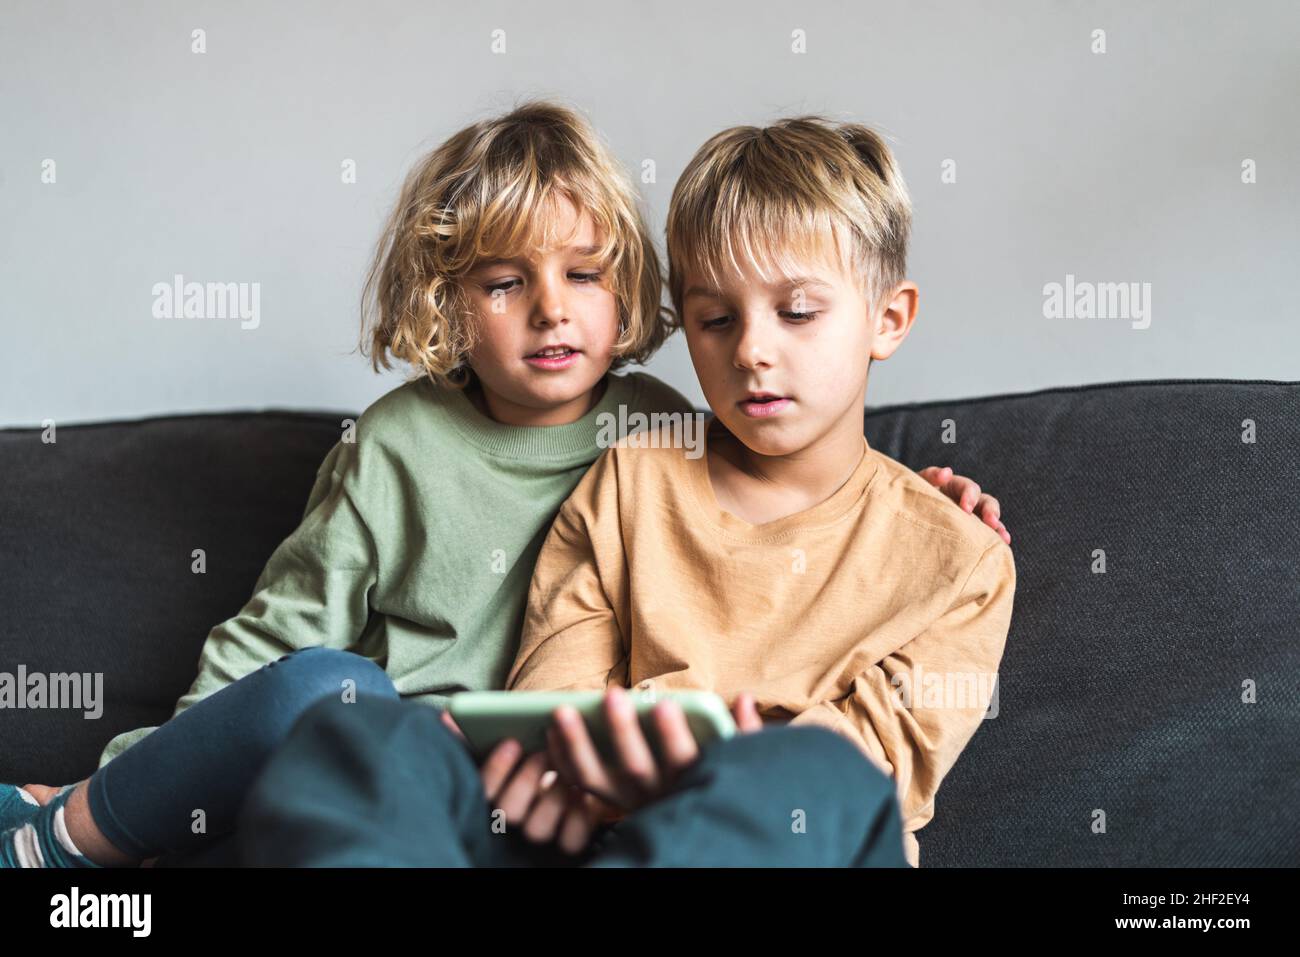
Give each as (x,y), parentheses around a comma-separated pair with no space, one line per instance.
(1123,166)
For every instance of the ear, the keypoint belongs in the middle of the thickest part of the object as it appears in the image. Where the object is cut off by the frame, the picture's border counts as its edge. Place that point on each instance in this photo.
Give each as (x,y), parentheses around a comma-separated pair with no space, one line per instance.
(894,320)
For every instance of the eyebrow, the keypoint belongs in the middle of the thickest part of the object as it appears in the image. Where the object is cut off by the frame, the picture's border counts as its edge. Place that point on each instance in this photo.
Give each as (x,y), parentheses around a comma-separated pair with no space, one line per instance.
(795,283)
(510,260)
(811,281)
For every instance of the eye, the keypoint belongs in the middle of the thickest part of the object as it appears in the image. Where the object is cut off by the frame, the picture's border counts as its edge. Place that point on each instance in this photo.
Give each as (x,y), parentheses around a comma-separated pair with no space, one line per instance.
(715,323)
(504,285)
(799,318)
(585,277)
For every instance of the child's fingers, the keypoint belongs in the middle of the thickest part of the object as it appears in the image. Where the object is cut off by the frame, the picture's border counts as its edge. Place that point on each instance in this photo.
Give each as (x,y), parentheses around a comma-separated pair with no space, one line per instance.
(450,722)
(989,509)
(588,767)
(746,714)
(495,770)
(936,476)
(965,492)
(523,787)
(990,512)
(580,820)
(635,761)
(559,755)
(676,740)
(546,812)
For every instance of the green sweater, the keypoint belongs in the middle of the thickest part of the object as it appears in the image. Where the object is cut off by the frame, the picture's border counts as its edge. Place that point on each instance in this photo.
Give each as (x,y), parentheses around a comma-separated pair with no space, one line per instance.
(417,545)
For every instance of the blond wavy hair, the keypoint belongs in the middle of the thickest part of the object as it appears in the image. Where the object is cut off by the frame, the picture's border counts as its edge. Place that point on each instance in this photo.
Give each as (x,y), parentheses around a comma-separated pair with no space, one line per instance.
(489,192)
(773,196)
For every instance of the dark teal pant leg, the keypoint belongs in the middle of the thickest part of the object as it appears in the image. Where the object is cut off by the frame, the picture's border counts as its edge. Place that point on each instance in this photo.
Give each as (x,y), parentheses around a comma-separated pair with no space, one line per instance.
(781,797)
(385,783)
(145,801)
(378,783)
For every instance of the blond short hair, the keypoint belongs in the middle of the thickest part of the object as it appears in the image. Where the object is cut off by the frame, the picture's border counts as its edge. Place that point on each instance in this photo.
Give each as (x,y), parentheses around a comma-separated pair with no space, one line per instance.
(777,194)
(486,193)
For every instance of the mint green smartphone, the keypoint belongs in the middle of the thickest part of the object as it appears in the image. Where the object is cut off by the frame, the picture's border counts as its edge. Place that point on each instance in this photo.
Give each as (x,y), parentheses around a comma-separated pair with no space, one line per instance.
(489,717)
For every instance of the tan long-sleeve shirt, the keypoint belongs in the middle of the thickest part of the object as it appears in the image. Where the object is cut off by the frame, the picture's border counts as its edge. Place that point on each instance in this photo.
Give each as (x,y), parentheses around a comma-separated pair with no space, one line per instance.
(880,613)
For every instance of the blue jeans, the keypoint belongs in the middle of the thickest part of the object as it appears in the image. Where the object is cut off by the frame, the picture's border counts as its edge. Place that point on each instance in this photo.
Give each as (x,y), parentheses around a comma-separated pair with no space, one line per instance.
(385,783)
(147,800)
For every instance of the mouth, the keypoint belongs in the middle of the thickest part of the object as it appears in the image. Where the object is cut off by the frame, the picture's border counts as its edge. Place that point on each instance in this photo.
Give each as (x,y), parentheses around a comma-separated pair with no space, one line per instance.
(759,405)
(559,356)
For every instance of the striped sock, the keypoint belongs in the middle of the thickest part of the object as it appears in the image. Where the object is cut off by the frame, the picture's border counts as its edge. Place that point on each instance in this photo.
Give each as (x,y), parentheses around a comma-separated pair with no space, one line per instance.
(16,806)
(42,840)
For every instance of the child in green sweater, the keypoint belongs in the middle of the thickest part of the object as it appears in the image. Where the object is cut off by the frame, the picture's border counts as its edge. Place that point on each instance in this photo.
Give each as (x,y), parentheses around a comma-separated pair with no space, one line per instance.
(514,275)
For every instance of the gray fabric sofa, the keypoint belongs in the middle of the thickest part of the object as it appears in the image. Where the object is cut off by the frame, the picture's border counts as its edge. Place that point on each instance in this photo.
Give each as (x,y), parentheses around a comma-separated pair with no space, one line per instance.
(1161,697)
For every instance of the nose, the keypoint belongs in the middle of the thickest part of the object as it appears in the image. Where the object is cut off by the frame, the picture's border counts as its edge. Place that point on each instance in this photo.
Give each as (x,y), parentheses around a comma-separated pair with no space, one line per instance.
(753,346)
(550,307)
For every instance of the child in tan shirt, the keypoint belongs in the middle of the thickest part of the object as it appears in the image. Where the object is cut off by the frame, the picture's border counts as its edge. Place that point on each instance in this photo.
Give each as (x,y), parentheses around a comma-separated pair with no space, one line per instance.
(790,564)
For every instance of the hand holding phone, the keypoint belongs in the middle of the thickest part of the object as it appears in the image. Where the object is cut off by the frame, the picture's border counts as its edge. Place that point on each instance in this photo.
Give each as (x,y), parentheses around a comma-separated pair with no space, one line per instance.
(488,717)
(637,768)
(591,788)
